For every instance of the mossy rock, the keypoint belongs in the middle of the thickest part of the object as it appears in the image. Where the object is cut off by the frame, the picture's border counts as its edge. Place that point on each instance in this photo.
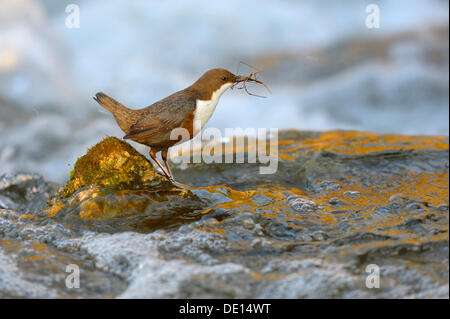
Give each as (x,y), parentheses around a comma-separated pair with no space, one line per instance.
(102,179)
(115,164)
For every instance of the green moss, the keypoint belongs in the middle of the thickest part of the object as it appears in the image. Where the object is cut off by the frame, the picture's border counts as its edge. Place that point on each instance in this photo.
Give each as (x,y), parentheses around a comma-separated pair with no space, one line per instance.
(71,174)
(113,163)
(104,183)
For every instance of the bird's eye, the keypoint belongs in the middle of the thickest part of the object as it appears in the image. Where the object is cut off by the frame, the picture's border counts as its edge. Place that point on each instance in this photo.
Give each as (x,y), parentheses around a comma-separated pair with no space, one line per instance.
(224,79)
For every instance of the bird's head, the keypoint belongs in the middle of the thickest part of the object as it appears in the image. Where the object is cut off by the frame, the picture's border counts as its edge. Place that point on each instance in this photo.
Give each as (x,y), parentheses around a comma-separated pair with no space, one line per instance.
(215,81)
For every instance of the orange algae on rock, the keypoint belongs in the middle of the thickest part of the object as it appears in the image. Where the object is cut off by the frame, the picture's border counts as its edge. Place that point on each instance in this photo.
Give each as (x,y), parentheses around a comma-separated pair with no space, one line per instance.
(355,143)
(366,173)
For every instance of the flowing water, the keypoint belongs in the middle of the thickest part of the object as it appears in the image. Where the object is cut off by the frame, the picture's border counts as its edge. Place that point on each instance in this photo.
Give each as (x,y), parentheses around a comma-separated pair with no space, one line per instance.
(340,201)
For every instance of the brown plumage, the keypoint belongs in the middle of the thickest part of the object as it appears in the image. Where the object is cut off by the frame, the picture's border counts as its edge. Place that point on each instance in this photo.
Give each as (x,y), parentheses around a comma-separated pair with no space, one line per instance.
(152,125)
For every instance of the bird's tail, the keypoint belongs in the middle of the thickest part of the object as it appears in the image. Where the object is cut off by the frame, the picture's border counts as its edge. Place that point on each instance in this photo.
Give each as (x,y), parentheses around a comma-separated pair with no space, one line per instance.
(108,102)
(125,117)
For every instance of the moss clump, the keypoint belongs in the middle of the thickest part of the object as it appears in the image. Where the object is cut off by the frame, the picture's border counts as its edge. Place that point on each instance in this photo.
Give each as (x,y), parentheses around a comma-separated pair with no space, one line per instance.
(111,180)
(115,164)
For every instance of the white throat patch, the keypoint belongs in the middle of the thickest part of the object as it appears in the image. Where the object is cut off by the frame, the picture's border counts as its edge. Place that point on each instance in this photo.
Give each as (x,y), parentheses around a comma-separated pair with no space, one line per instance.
(205,109)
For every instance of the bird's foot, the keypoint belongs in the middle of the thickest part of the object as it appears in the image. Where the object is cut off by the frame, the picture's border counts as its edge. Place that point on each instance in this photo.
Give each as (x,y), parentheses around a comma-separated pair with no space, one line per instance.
(170,179)
(159,172)
(175,183)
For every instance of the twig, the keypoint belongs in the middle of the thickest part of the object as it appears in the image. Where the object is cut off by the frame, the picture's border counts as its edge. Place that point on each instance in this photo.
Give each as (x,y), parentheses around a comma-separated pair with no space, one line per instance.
(251,78)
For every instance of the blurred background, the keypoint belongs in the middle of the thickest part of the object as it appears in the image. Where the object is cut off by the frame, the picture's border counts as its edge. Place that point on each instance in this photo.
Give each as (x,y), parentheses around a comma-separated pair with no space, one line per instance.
(326,69)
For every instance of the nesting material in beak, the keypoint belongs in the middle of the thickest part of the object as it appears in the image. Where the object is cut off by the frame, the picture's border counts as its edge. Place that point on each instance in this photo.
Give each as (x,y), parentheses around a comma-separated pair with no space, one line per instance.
(250,78)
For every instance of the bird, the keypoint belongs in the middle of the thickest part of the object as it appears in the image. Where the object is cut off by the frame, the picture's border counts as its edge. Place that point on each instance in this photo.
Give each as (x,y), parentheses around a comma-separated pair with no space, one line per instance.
(152,125)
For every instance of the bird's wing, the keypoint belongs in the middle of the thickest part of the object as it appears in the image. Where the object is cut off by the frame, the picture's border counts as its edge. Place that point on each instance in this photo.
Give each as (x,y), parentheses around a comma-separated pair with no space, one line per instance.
(161,118)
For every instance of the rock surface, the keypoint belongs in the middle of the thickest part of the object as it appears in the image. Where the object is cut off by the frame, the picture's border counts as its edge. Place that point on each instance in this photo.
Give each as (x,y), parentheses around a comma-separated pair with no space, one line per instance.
(340,201)
(111,180)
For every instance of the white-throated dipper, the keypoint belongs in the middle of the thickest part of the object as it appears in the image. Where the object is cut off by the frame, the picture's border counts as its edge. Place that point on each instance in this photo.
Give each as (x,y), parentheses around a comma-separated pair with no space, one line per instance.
(152,126)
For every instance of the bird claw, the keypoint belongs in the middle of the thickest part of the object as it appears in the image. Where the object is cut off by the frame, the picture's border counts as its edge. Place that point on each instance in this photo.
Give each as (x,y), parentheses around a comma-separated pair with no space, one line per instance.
(159,172)
(170,179)
(175,183)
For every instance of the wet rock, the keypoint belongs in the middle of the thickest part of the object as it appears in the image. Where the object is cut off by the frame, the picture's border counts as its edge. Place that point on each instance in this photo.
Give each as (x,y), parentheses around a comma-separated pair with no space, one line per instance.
(352,194)
(114,164)
(264,236)
(319,235)
(14,285)
(111,180)
(25,192)
(335,201)
(245,220)
(315,280)
(302,204)
(329,186)
(189,281)
(7,203)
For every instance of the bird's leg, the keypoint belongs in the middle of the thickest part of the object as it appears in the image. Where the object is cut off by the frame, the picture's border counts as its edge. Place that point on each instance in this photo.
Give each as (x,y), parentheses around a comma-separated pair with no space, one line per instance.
(153,156)
(164,157)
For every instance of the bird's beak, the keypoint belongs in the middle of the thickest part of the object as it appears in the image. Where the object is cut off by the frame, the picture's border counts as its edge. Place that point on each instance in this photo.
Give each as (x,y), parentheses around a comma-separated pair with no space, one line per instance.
(246,79)
(239,78)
